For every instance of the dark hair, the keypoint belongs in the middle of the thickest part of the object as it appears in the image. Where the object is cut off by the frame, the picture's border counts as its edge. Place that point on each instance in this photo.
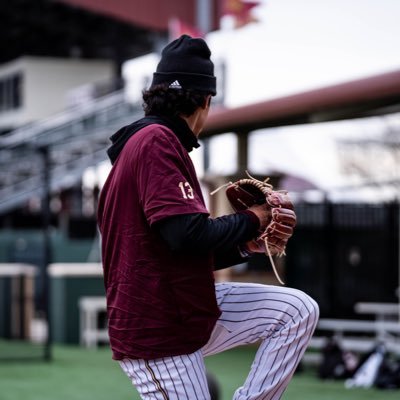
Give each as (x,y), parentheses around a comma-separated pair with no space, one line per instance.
(161,100)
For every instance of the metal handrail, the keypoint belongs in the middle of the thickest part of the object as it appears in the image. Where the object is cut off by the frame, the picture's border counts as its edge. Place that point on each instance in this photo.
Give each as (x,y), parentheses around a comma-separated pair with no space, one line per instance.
(80,134)
(29,132)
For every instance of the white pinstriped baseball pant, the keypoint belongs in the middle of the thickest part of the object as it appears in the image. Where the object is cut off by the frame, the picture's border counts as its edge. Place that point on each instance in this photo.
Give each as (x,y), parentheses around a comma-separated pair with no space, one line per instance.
(283,319)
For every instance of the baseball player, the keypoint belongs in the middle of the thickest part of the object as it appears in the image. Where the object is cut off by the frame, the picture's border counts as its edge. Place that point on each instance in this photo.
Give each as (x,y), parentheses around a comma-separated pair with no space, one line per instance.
(160,248)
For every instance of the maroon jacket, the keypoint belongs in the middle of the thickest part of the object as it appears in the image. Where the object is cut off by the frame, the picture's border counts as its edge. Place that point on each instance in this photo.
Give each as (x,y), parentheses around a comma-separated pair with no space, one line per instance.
(160,303)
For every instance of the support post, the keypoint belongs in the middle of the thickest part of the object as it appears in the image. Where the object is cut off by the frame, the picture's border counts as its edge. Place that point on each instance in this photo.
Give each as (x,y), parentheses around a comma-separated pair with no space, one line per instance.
(46,221)
(242,152)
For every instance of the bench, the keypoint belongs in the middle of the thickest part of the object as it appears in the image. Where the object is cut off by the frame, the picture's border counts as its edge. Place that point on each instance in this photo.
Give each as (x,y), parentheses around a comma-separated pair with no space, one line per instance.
(90,308)
(382,311)
(360,335)
(354,335)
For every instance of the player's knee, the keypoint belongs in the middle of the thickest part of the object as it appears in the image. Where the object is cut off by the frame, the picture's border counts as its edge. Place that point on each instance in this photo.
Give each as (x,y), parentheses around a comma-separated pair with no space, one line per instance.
(306,307)
(310,310)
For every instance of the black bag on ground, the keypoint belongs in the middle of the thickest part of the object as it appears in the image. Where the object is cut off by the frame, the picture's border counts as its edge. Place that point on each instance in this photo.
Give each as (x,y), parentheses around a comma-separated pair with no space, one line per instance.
(336,363)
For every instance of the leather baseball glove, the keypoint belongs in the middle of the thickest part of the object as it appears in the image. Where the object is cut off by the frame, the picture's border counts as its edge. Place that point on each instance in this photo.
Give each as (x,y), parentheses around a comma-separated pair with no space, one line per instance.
(272,240)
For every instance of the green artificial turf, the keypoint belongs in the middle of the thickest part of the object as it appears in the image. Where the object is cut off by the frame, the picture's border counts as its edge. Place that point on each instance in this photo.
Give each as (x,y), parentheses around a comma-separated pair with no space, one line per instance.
(79,374)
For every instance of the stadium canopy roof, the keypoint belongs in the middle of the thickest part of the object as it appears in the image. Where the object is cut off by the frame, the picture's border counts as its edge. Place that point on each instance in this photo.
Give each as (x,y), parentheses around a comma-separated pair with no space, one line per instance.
(375,95)
(57,29)
(150,14)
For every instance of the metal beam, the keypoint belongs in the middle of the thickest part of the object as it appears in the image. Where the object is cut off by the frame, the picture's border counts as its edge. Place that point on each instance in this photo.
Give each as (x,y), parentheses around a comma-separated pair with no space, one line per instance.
(374,95)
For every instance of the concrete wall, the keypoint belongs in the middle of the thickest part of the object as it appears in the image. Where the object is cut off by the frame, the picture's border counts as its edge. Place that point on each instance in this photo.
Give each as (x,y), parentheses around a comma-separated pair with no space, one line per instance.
(46,83)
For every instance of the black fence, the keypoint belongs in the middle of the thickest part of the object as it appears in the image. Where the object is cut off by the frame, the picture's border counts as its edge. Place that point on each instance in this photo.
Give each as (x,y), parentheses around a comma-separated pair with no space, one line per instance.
(342,254)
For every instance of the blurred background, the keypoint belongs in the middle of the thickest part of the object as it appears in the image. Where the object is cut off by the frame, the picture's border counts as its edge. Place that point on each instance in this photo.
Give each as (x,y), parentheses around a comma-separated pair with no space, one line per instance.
(308,95)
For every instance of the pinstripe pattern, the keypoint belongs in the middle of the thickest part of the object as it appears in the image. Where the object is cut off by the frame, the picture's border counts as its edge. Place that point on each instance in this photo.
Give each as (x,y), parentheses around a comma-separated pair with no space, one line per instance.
(173,378)
(283,319)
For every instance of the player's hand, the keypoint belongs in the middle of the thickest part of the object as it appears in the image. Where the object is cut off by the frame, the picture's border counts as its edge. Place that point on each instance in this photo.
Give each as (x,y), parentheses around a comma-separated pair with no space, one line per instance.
(263,213)
(255,246)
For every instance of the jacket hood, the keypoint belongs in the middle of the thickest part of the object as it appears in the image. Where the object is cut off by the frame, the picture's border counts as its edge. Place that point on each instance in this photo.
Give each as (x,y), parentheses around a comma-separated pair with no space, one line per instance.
(177,125)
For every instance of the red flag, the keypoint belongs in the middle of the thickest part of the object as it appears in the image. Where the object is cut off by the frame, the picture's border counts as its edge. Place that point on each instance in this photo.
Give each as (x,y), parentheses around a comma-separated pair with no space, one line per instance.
(178,28)
(240,10)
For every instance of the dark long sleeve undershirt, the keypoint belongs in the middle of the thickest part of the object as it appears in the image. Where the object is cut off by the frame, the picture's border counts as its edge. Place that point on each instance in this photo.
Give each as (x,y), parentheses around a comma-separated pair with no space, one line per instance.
(199,234)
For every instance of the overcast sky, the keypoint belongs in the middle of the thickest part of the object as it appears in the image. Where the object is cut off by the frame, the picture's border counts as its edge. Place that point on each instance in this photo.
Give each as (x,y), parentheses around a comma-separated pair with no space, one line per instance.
(301,44)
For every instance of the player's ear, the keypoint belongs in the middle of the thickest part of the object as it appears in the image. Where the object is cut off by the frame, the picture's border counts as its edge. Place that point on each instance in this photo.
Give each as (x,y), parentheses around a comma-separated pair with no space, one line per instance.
(207,102)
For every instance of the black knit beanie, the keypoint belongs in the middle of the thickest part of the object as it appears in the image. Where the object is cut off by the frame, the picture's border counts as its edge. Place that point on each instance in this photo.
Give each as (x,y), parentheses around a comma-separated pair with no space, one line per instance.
(185,64)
